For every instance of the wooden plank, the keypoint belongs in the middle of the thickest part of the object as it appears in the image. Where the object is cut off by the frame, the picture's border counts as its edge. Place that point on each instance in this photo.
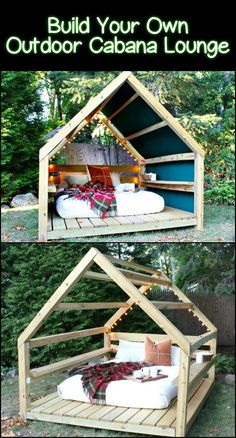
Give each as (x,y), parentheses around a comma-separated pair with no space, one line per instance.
(89,306)
(140,337)
(140,416)
(62,337)
(155,416)
(23,366)
(147,130)
(136,278)
(84,223)
(97,222)
(128,102)
(90,410)
(46,404)
(71,224)
(142,301)
(213,345)
(66,408)
(173,157)
(132,264)
(58,222)
(76,411)
(91,106)
(136,227)
(182,401)
(164,114)
(67,363)
(197,401)
(55,407)
(43,400)
(199,190)
(43,199)
(197,371)
(102,412)
(100,424)
(126,415)
(202,339)
(171,305)
(136,219)
(180,186)
(111,221)
(84,264)
(83,168)
(110,416)
(124,220)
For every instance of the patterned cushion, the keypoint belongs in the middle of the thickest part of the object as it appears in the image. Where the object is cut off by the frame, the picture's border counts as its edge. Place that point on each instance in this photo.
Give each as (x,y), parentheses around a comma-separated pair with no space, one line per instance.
(101,173)
(158,353)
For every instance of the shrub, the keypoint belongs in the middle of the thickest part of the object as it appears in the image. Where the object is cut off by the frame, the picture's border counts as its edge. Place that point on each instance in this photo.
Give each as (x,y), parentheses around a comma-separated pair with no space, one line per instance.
(225,364)
(221,193)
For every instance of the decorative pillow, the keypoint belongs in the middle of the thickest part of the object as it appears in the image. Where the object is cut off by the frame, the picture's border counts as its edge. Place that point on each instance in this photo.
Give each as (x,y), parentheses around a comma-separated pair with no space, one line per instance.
(115,177)
(74,178)
(175,355)
(101,174)
(158,353)
(129,351)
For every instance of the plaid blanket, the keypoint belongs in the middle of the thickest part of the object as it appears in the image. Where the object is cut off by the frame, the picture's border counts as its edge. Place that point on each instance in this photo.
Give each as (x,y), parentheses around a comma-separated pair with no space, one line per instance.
(96,378)
(101,199)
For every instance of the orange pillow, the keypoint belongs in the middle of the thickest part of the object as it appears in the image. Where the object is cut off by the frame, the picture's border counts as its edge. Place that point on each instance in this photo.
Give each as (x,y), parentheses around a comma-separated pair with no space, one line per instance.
(158,353)
(101,173)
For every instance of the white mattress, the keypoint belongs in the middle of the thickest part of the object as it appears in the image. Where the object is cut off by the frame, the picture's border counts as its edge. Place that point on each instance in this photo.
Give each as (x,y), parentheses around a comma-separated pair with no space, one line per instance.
(128,203)
(127,393)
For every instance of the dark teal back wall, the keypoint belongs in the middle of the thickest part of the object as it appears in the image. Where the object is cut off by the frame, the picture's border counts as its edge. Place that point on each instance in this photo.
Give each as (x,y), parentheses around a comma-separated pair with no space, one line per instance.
(163,141)
(181,200)
(173,171)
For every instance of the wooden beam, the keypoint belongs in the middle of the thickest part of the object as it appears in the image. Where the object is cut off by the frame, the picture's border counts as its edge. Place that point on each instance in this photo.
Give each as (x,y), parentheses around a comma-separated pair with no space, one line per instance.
(199,190)
(174,157)
(43,199)
(202,339)
(179,186)
(182,400)
(24,381)
(66,364)
(133,265)
(147,130)
(142,301)
(164,114)
(140,337)
(90,306)
(62,337)
(135,278)
(130,100)
(213,345)
(58,295)
(171,305)
(83,168)
(91,106)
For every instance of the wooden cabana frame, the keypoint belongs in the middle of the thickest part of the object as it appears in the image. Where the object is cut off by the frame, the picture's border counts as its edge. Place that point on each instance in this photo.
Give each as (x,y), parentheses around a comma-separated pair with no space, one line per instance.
(194,382)
(158,143)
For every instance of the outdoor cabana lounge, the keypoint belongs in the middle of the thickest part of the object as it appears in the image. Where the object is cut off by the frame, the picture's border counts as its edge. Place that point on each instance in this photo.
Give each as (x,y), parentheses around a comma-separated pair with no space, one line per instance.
(194,380)
(157,142)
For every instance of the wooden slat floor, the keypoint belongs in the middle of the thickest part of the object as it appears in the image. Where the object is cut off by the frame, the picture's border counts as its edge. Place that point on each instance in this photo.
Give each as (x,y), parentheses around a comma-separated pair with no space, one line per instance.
(168,218)
(147,421)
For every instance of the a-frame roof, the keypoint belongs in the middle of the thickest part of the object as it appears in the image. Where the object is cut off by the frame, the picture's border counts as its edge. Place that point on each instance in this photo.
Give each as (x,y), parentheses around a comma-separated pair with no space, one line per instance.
(132,113)
(127,280)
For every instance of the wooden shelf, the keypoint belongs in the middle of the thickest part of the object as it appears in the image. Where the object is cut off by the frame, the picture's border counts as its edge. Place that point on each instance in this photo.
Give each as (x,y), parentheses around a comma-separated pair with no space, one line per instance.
(182,186)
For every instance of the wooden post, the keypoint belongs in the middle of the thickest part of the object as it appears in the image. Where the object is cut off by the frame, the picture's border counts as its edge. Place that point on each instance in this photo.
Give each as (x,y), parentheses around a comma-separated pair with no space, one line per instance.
(24,378)
(182,402)
(212,370)
(43,199)
(199,190)
(107,343)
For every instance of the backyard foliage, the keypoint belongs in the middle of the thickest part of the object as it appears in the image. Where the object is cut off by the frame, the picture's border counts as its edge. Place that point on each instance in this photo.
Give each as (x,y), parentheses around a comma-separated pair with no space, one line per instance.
(34,103)
(32,272)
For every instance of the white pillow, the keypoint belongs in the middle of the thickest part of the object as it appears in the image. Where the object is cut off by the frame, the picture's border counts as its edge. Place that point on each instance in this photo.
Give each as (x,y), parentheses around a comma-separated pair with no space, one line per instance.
(175,355)
(75,177)
(125,187)
(115,177)
(129,351)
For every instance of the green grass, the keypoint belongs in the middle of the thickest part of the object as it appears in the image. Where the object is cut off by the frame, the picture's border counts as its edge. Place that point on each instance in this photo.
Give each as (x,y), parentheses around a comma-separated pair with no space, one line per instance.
(216,418)
(21,226)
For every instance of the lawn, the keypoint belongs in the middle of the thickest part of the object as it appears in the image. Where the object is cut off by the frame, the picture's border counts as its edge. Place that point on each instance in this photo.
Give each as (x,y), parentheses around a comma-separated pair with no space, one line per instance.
(216,419)
(20,225)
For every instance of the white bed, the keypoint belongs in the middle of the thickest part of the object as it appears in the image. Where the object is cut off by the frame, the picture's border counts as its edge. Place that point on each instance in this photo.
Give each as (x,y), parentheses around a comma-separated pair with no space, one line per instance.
(128,204)
(154,395)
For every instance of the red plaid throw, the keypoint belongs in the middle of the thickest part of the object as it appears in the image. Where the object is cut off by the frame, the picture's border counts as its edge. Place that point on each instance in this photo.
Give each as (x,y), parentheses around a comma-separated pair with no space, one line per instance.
(96,378)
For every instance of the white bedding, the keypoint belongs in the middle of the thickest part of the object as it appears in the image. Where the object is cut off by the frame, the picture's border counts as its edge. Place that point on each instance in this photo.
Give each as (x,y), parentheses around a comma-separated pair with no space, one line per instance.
(128,203)
(127,393)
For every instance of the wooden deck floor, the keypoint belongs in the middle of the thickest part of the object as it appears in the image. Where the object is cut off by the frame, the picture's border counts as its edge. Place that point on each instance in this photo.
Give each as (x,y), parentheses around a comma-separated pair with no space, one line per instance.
(59,228)
(160,422)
